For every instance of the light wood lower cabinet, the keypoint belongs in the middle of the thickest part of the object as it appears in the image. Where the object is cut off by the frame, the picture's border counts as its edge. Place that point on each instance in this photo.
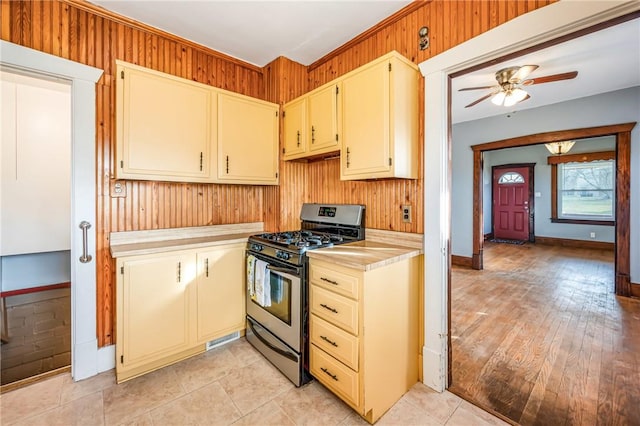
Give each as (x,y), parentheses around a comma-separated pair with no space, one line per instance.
(168,305)
(220,292)
(364,332)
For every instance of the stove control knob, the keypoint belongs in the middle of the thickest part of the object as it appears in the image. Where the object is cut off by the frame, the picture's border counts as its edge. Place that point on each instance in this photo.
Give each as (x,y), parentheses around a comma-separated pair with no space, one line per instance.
(257,247)
(283,255)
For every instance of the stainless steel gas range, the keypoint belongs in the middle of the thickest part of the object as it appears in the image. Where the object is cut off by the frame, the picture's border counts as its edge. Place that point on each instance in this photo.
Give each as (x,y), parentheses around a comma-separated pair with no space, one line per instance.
(277,283)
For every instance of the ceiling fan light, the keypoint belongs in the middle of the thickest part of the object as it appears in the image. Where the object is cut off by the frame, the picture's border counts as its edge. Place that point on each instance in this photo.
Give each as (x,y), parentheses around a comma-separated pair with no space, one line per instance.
(519,94)
(514,96)
(559,148)
(498,99)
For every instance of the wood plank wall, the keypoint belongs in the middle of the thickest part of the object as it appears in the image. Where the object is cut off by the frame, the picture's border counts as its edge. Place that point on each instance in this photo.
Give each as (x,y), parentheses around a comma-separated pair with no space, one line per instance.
(82,34)
(450,23)
(285,80)
(87,34)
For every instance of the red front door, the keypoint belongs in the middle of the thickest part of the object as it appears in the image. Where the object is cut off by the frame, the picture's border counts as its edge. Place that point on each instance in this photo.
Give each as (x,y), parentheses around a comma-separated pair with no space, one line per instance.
(511,203)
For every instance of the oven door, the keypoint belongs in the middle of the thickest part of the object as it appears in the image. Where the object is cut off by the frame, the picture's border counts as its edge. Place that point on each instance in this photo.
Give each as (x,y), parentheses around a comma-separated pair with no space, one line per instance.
(282,315)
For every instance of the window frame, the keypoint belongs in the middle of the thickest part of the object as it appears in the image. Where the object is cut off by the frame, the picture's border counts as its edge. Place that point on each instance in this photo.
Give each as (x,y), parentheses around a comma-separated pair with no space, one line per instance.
(553,161)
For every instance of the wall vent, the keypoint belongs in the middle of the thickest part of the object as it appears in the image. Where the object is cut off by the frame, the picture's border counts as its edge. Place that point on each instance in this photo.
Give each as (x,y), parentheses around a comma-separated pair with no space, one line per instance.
(221,341)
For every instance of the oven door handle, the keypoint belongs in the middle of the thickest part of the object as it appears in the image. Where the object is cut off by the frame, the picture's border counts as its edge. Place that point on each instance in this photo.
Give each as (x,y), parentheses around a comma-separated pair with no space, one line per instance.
(282,270)
(285,354)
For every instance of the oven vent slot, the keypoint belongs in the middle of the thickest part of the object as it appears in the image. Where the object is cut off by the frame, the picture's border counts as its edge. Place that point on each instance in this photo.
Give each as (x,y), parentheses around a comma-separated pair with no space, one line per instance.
(222,340)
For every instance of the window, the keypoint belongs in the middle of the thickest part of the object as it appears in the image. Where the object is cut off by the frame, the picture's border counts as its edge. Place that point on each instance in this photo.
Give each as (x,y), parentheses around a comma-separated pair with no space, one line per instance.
(584,190)
(510,177)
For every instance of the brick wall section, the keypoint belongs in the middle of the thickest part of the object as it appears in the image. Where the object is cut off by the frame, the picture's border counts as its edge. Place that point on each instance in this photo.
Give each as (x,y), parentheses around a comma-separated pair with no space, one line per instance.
(39,330)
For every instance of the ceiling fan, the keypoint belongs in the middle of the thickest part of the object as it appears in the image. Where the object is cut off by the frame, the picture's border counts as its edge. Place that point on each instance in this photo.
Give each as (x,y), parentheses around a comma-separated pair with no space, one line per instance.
(511,81)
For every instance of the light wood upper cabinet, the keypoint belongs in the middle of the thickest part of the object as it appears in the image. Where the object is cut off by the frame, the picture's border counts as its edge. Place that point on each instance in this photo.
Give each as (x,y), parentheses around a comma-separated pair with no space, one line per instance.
(247,140)
(172,129)
(221,294)
(324,118)
(312,123)
(294,118)
(380,120)
(163,126)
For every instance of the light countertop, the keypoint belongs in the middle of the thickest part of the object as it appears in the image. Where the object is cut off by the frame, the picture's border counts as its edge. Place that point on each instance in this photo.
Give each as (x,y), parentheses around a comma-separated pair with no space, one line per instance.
(372,253)
(134,243)
(152,247)
(364,255)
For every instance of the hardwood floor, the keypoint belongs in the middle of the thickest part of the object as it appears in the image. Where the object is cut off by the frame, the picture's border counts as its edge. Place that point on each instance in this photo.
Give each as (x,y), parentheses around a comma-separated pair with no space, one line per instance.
(539,337)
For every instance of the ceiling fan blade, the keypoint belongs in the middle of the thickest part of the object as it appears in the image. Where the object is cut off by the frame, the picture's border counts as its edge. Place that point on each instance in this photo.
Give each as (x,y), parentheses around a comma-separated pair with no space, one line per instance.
(523,73)
(476,88)
(550,78)
(480,100)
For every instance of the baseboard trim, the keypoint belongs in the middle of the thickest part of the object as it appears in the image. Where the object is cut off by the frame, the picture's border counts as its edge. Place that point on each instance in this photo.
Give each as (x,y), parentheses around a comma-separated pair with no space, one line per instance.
(37,289)
(635,290)
(464,261)
(34,379)
(565,242)
(488,236)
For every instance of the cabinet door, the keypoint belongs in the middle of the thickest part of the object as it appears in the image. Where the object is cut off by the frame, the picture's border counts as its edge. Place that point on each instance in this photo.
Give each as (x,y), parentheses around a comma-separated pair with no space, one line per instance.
(221,292)
(294,125)
(163,127)
(155,300)
(323,118)
(247,140)
(365,146)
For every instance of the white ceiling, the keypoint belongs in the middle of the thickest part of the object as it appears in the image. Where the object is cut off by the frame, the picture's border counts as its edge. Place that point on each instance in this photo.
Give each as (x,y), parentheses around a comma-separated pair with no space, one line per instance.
(606,60)
(304,31)
(259,31)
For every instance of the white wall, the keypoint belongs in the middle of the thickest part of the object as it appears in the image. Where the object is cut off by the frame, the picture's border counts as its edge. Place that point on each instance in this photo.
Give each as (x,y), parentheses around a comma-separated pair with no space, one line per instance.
(34,270)
(542,184)
(617,107)
(35,170)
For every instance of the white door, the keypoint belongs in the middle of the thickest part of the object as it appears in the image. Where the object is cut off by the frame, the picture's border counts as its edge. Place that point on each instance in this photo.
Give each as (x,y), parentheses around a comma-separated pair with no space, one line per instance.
(85,357)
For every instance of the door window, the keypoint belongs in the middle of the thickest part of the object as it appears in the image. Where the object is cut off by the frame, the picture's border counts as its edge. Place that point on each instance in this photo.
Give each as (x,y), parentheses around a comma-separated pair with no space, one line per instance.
(510,177)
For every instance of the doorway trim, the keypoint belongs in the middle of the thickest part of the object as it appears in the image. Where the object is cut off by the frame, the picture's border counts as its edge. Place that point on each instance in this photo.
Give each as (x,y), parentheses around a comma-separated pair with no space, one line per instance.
(85,357)
(622,133)
(556,20)
(531,184)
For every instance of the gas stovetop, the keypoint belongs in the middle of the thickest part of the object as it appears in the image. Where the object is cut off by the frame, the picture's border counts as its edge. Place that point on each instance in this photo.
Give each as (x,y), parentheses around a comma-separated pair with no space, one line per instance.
(323,225)
(301,240)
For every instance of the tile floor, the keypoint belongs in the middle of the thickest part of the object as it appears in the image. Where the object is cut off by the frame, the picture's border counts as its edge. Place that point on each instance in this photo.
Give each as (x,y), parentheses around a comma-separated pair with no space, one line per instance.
(232,384)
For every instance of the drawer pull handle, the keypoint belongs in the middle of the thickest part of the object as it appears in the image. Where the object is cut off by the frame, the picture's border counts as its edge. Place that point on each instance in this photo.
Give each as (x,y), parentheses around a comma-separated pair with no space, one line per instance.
(333,376)
(329,281)
(326,339)
(329,308)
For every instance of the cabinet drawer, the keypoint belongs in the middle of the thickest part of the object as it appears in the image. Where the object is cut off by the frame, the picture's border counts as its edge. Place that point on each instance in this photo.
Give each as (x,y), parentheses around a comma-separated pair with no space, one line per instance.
(336,309)
(334,375)
(336,342)
(333,280)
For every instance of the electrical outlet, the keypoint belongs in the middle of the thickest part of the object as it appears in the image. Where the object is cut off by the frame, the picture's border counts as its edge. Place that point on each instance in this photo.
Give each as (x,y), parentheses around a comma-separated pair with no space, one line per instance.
(406,214)
(118,189)
(592,235)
